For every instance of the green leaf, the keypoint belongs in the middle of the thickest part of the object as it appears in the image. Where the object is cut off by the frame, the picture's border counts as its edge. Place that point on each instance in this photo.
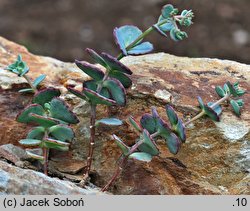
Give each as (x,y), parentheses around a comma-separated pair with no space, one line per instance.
(115,64)
(26,90)
(180,130)
(117,91)
(135,124)
(90,70)
(125,149)
(60,110)
(240,92)
(220,91)
(240,102)
(232,90)
(122,77)
(166,26)
(167,10)
(55,144)
(36,133)
(61,132)
(148,122)
(96,57)
(96,98)
(24,115)
(177,35)
(109,121)
(141,156)
(77,93)
(39,80)
(35,156)
(30,142)
(148,145)
(46,95)
(217,109)
(126,35)
(92,85)
(19,67)
(172,116)
(43,120)
(236,107)
(202,105)
(211,113)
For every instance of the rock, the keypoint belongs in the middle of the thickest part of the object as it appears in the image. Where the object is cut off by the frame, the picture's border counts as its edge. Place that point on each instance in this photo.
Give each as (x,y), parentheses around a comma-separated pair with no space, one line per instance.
(13,154)
(215,157)
(14,180)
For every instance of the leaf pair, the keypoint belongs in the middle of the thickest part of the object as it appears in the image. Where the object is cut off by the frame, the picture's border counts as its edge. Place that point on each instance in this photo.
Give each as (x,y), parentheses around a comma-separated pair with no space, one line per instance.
(155,125)
(234,91)
(57,112)
(124,38)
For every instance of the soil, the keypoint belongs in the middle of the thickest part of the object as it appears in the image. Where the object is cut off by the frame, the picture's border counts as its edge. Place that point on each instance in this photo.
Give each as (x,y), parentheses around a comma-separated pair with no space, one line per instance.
(64,28)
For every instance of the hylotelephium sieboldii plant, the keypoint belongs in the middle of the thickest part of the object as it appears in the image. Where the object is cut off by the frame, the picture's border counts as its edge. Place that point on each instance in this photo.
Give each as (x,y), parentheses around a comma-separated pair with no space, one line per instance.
(152,127)
(108,87)
(48,112)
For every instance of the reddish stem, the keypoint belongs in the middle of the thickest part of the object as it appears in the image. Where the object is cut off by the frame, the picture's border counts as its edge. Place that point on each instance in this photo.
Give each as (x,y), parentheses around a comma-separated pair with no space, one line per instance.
(92,141)
(46,157)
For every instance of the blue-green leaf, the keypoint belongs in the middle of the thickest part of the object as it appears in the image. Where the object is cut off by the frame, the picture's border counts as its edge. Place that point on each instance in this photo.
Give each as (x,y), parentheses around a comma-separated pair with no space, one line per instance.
(26,90)
(109,121)
(46,95)
(39,80)
(167,10)
(126,35)
(61,132)
(141,156)
(217,109)
(30,142)
(24,115)
(236,107)
(220,91)
(125,149)
(135,124)
(36,133)
(148,145)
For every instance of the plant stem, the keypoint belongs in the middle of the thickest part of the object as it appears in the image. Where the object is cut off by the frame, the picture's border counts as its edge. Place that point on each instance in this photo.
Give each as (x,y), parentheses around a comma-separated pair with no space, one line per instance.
(121,166)
(202,113)
(45,155)
(27,78)
(92,141)
(143,35)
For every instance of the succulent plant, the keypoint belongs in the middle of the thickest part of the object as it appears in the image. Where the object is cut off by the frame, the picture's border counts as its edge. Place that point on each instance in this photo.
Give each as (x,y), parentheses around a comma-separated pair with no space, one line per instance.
(108,88)
(52,118)
(20,68)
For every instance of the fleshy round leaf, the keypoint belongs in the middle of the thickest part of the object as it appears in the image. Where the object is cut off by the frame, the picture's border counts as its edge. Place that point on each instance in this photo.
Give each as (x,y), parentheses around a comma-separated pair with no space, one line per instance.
(91,70)
(125,149)
(19,67)
(46,95)
(30,90)
(217,109)
(148,122)
(148,145)
(141,156)
(173,143)
(220,91)
(109,121)
(135,124)
(123,78)
(117,91)
(96,98)
(24,115)
(96,57)
(55,144)
(77,93)
(166,26)
(43,120)
(211,114)
(34,156)
(167,10)
(30,142)
(180,130)
(61,132)
(232,90)
(236,107)
(39,80)
(92,85)
(202,105)
(172,116)
(125,35)
(36,133)
(115,64)
(177,35)
(60,110)
(142,48)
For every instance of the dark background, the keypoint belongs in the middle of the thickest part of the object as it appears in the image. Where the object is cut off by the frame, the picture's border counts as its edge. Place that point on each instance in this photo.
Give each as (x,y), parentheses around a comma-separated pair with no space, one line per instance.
(64,28)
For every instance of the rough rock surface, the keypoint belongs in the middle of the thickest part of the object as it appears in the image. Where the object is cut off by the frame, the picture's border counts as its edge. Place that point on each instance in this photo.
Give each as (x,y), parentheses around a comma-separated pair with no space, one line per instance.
(214,159)
(14,180)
